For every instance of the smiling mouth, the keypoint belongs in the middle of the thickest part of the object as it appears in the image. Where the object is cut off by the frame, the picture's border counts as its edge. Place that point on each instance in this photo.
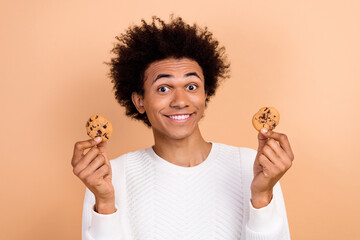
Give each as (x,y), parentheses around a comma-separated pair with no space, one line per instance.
(179,116)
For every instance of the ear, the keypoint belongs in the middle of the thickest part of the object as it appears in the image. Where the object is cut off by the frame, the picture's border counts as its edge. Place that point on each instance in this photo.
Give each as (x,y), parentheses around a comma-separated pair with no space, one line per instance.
(137,100)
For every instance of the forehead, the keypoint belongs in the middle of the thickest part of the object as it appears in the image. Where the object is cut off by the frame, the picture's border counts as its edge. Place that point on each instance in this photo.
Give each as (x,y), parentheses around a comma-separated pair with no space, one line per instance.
(176,67)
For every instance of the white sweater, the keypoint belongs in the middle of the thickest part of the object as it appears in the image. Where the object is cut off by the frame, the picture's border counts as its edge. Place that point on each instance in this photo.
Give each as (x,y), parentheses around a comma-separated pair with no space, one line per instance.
(158,200)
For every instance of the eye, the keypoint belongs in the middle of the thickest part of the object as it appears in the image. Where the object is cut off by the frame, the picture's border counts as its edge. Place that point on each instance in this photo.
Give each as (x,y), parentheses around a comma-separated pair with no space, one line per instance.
(163,89)
(192,87)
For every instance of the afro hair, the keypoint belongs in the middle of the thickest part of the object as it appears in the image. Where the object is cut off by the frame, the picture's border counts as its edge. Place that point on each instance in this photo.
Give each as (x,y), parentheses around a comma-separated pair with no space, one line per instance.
(142,45)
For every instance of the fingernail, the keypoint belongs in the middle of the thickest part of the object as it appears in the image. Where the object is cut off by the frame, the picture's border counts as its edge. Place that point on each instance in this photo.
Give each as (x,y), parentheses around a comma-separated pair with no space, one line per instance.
(264,130)
(97,139)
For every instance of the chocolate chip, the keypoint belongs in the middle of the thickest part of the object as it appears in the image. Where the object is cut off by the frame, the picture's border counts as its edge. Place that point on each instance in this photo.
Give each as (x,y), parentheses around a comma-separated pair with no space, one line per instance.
(274,125)
(87,124)
(91,128)
(105,135)
(99,131)
(96,116)
(105,126)
(265,109)
(90,120)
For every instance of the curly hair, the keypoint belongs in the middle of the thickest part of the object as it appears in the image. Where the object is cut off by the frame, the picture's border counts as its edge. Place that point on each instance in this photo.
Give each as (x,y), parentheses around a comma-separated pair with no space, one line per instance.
(142,45)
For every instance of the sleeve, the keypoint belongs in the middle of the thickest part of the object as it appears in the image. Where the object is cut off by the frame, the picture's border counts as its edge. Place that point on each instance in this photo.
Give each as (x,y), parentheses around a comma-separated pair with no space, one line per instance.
(269,222)
(97,226)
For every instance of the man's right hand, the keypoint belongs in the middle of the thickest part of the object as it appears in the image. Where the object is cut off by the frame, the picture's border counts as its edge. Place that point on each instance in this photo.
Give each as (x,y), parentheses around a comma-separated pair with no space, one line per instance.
(94,170)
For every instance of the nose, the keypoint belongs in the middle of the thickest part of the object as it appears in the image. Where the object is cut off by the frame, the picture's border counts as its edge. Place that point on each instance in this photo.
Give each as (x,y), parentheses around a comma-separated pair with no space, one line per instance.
(179,99)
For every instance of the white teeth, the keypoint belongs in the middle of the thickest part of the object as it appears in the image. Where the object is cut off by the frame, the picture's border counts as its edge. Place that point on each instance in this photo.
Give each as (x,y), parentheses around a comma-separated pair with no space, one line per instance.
(180,117)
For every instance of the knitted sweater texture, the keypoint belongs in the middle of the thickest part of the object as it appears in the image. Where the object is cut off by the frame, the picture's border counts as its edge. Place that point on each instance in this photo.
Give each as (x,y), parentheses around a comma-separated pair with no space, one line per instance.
(158,200)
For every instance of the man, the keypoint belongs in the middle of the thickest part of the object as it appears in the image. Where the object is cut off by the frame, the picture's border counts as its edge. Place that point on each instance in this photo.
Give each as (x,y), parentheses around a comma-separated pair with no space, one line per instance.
(183,187)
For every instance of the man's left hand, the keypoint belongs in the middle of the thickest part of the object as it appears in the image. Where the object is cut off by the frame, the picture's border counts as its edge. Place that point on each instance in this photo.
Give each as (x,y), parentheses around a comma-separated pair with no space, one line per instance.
(273,159)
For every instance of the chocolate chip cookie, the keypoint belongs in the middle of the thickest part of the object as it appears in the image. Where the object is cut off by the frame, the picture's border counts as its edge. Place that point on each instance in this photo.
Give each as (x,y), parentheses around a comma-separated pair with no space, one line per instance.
(98,126)
(266,117)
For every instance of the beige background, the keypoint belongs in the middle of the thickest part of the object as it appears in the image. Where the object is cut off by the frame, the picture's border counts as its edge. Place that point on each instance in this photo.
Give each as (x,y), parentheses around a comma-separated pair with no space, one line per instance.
(300,56)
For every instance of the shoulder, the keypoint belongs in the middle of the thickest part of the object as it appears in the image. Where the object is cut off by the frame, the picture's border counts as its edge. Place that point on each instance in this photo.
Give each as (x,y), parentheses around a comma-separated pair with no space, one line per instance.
(246,158)
(118,163)
(246,155)
(245,152)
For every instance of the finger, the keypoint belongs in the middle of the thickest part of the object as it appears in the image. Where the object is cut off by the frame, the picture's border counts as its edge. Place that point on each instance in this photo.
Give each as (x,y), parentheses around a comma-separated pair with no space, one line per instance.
(262,141)
(92,167)
(102,147)
(96,163)
(266,165)
(80,147)
(86,160)
(102,144)
(95,179)
(270,154)
(275,146)
(284,160)
(283,141)
(277,149)
(102,171)
(281,161)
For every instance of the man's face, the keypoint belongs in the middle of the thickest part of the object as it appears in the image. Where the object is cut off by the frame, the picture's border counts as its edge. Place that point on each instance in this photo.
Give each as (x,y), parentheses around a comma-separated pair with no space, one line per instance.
(174,97)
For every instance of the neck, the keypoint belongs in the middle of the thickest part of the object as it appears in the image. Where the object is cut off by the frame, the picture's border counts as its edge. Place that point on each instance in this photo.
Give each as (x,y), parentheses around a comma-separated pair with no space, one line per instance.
(186,152)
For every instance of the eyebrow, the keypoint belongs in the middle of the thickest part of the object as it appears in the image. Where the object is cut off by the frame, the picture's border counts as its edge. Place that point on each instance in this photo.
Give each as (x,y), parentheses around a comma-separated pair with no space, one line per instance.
(169,76)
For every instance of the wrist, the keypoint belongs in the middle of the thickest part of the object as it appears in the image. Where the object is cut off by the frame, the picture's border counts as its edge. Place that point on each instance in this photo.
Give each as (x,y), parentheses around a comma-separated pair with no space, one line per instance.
(105,206)
(259,200)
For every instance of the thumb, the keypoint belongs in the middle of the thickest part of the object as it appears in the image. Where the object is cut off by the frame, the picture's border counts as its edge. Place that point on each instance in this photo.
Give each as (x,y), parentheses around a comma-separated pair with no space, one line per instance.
(103,150)
(262,138)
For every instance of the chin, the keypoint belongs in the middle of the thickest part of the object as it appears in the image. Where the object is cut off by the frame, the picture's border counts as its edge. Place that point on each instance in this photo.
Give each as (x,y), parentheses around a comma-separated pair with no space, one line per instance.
(179,136)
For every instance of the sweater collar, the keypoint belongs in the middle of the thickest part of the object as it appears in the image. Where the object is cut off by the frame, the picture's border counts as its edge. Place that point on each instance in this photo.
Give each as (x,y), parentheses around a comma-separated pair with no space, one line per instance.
(170,166)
